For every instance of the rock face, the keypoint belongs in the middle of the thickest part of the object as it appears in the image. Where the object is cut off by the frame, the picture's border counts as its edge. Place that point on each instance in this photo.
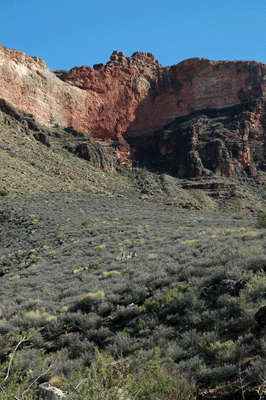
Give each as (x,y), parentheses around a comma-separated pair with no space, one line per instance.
(227,142)
(138,59)
(132,97)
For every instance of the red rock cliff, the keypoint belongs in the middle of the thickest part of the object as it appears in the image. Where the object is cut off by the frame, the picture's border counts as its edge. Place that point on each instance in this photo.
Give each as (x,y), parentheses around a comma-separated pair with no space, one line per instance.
(129,96)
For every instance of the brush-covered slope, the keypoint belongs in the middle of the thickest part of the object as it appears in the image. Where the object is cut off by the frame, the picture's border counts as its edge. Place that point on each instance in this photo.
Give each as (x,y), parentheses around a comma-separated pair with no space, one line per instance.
(89,258)
(79,271)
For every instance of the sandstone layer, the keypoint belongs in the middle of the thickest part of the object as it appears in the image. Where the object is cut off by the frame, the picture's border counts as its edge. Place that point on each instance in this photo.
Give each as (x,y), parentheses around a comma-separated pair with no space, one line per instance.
(127,97)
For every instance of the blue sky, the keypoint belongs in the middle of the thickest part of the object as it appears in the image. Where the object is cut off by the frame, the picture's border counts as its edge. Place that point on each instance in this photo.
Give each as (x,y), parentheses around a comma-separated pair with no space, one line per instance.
(68,33)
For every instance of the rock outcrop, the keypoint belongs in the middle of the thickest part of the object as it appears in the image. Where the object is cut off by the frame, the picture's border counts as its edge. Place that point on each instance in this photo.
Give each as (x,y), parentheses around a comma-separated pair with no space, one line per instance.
(132,97)
(68,138)
(48,392)
(138,59)
(226,142)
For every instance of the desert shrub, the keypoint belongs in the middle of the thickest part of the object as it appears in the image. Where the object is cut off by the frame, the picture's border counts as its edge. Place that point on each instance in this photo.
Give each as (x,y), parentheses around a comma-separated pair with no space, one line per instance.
(108,380)
(261,220)
(123,313)
(139,326)
(214,274)
(109,274)
(246,345)
(99,335)
(220,351)
(90,301)
(215,249)
(17,382)
(121,345)
(242,324)
(191,365)
(249,251)
(86,222)
(162,333)
(238,216)
(91,296)
(100,246)
(174,351)
(76,344)
(130,293)
(255,263)
(255,288)
(3,193)
(164,301)
(208,317)
(104,308)
(94,266)
(79,320)
(16,376)
(215,375)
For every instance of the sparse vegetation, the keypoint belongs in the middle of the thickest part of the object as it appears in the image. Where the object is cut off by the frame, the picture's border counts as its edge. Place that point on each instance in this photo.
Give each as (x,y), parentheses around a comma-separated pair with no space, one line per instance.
(195,298)
(170,294)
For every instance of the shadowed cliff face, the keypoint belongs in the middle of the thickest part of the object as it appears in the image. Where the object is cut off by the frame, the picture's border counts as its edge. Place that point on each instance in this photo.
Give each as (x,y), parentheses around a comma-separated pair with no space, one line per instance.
(227,142)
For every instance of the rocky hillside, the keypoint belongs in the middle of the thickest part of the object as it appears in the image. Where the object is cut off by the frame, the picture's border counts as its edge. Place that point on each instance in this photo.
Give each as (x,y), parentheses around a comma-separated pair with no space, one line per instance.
(36,158)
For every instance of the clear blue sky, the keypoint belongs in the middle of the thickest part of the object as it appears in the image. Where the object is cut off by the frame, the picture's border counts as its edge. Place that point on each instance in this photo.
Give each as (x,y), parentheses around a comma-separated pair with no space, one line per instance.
(68,33)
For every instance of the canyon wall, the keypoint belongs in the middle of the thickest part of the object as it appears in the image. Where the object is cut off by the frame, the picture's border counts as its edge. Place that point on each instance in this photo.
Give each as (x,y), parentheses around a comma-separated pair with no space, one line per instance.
(127,97)
(223,142)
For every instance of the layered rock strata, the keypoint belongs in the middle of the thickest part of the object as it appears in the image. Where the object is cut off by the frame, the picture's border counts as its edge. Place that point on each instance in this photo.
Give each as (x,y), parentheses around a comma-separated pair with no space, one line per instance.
(129,97)
(227,142)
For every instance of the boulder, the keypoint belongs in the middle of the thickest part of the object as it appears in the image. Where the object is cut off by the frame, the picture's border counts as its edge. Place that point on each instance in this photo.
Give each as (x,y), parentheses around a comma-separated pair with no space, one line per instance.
(48,392)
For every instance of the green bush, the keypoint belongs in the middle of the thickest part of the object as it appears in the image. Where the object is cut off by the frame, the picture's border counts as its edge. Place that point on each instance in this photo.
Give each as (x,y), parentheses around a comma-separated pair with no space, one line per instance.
(108,274)
(91,301)
(94,266)
(106,379)
(91,296)
(17,379)
(3,193)
(261,220)
(165,299)
(86,222)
